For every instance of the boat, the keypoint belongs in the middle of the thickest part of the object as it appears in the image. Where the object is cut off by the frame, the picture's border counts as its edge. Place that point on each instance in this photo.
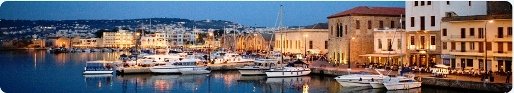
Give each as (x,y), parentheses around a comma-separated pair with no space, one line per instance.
(195,70)
(400,83)
(95,50)
(297,68)
(106,50)
(261,65)
(224,57)
(174,66)
(361,79)
(98,67)
(87,50)
(379,84)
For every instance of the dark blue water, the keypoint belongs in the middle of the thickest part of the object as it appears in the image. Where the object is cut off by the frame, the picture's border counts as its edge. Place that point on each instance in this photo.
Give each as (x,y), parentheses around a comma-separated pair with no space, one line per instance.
(37,71)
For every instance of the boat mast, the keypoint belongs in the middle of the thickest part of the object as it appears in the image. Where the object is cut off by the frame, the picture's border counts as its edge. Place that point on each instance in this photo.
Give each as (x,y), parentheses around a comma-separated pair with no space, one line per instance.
(280,19)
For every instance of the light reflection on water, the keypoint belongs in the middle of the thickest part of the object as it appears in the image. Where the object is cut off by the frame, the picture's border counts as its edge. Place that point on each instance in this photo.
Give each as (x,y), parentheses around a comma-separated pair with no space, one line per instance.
(56,73)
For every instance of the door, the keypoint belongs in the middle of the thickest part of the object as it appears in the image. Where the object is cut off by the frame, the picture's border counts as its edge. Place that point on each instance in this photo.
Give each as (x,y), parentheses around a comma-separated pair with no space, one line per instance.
(462,63)
(453,62)
(422,23)
(508,64)
(500,65)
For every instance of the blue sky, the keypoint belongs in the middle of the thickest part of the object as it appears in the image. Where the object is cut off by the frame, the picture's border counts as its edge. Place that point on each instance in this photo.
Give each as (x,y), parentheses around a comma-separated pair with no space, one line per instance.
(246,13)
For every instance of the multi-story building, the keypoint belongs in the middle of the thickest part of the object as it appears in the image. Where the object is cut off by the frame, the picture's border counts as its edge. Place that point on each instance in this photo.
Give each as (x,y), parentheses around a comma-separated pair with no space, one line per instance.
(87,43)
(468,40)
(154,40)
(389,47)
(301,41)
(351,32)
(423,24)
(255,41)
(119,39)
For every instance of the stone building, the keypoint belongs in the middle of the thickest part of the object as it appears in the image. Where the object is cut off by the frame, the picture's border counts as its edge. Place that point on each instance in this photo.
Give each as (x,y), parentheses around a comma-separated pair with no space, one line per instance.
(351,32)
(301,41)
(389,47)
(248,42)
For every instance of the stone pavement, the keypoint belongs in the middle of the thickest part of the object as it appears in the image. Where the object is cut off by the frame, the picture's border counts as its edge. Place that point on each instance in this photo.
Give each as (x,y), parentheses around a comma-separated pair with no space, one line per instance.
(327,66)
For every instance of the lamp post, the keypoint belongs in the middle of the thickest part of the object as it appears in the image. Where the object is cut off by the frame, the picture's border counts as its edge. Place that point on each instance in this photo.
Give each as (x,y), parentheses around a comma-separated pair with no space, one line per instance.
(349,46)
(485,42)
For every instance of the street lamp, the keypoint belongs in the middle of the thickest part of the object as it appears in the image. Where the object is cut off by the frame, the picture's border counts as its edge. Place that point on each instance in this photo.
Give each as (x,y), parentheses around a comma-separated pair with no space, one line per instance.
(485,42)
(349,46)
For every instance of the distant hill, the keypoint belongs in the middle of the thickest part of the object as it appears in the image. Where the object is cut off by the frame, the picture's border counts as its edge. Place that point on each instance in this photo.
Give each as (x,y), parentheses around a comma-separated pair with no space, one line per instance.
(313,26)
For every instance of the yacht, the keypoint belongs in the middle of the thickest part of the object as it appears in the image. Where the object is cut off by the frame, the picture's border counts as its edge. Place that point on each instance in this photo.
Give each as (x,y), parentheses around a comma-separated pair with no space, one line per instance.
(297,68)
(223,57)
(98,67)
(194,70)
(399,83)
(380,84)
(362,79)
(173,67)
(159,59)
(261,65)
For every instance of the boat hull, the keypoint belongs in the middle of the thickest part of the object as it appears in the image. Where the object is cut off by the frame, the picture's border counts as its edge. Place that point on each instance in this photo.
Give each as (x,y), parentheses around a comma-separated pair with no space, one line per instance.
(400,86)
(287,73)
(377,85)
(165,70)
(97,72)
(354,84)
(195,71)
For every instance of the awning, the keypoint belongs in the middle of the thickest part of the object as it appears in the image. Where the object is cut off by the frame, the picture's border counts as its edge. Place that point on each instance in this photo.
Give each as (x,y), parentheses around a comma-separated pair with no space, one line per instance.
(382,55)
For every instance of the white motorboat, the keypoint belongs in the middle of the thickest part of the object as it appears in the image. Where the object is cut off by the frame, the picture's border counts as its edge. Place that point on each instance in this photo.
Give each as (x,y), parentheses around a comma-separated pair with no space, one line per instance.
(195,70)
(160,59)
(223,57)
(399,83)
(174,67)
(380,84)
(107,50)
(288,72)
(261,65)
(98,67)
(95,50)
(362,79)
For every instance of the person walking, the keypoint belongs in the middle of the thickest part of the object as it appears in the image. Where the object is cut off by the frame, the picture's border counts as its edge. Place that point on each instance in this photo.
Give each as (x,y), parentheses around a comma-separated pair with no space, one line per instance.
(509,74)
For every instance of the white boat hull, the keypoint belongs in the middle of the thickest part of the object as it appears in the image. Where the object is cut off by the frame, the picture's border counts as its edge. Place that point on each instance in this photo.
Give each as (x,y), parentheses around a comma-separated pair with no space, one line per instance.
(377,85)
(252,72)
(400,86)
(353,84)
(165,70)
(287,73)
(195,71)
(97,72)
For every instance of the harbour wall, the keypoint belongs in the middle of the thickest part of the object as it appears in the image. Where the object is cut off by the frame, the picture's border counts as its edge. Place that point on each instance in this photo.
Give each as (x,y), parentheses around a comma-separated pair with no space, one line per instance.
(472,85)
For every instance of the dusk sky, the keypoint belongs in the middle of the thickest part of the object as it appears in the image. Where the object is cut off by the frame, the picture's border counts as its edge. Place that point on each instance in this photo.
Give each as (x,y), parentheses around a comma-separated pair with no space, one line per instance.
(246,13)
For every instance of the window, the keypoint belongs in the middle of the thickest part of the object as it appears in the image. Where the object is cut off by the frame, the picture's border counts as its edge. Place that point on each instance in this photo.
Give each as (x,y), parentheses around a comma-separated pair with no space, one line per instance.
(432,40)
(509,31)
(331,30)
(432,20)
(358,24)
(500,47)
(392,24)
(403,24)
(369,24)
(472,45)
(447,2)
(500,32)
(469,63)
(429,2)
(412,40)
(445,32)
(399,44)
(345,30)
(462,46)
(381,24)
(488,46)
(326,44)
(422,3)
(415,3)
(452,45)
(379,44)
(411,21)
(480,47)
(462,32)
(471,31)
(310,44)
(422,39)
(389,45)
(444,45)
(480,32)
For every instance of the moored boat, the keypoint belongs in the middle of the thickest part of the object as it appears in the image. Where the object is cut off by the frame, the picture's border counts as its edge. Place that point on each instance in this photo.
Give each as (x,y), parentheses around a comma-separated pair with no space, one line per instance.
(98,67)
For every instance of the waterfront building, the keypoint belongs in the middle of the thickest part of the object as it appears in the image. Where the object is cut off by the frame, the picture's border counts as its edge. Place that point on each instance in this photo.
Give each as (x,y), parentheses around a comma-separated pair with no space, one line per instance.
(87,43)
(302,41)
(351,32)
(466,40)
(37,43)
(389,47)
(255,41)
(154,40)
(120,39)
(56,42)
(423,21)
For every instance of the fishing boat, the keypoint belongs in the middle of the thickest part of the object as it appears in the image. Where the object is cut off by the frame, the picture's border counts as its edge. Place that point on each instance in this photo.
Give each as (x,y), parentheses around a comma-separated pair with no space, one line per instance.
(98,67)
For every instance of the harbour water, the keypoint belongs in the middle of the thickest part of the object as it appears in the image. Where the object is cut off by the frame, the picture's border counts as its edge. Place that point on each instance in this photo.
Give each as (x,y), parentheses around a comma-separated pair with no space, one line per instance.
(28,71)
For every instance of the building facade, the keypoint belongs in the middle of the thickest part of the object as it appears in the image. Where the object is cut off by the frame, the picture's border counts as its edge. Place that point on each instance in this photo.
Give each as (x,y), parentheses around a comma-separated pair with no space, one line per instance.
(423,24)
(389,47)
(154,40)
(88,43)
(121,39)
(467,40)
(301,41)
(351,32)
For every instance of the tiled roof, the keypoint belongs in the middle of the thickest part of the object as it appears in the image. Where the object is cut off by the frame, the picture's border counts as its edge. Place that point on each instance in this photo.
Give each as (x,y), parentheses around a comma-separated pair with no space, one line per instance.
(371,11)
